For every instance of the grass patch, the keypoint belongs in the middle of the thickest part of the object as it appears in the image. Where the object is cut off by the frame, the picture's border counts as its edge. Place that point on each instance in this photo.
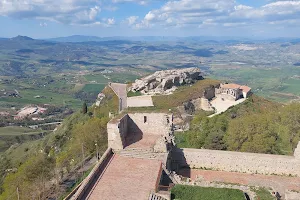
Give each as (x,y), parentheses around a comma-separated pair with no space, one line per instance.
(183,192)
(181,141)
(134,94)
(263,194)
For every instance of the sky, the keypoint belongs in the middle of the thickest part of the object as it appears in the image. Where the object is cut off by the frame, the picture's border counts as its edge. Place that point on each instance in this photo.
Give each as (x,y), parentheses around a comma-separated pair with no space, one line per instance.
(182,18)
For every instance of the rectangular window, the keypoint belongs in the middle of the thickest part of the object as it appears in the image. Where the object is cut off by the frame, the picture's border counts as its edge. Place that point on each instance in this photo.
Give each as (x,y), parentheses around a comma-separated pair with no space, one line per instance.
(145,119)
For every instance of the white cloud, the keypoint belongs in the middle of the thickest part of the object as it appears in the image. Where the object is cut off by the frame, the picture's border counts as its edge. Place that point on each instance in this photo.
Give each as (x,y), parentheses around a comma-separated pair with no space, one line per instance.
(172,13)
(132,20)
(150,16)
(63,11)
(141,2)
(111,21)
(226,13)
(43,24)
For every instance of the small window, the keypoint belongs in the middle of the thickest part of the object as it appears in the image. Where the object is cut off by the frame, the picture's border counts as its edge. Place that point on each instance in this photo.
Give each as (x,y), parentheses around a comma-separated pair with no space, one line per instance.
(145,119)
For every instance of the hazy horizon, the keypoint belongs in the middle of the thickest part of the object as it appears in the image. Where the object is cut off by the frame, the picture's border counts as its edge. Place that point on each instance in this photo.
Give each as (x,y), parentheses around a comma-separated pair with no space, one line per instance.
(135,18)
(203,37)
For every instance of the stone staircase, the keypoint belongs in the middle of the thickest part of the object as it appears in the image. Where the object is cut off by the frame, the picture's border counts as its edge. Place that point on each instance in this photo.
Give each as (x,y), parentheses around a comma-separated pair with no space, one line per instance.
(154,196)
(142,154)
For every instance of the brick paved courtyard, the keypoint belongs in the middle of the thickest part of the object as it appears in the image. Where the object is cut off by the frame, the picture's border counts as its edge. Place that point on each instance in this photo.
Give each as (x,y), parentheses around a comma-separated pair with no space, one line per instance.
(127,179)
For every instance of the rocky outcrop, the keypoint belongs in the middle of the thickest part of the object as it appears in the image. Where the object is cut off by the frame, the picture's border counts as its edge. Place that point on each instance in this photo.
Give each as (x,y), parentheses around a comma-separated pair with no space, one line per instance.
(99,99)
(165,82)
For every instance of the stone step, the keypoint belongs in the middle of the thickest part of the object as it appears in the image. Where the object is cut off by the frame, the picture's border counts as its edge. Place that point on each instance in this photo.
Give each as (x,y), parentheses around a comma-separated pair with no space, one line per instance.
(156,197)
(146,156)
(142,153)
(138,149)
(135,153)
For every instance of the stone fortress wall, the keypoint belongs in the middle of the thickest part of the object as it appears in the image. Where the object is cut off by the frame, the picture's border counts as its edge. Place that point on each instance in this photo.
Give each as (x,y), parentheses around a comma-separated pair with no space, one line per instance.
(151,123)
(160,124)
(238,162)
(132,123)
(117,133)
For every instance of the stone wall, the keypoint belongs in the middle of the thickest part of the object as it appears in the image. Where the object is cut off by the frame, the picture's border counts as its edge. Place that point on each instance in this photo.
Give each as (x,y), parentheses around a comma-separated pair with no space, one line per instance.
(209,93)
(237,161)
(117,132)
(206,105)
(156,123)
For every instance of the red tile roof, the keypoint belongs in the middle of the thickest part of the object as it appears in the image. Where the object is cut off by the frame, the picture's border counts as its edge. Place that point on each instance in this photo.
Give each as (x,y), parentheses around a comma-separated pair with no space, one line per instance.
(245,88)
(231,86)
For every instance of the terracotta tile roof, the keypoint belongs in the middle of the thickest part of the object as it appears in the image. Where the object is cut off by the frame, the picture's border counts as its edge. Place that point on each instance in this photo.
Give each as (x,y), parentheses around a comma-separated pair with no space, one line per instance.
(245,88)
(231,86)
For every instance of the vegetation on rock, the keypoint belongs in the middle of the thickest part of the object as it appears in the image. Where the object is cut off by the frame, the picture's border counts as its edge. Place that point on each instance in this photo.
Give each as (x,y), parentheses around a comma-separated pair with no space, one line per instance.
(183,94)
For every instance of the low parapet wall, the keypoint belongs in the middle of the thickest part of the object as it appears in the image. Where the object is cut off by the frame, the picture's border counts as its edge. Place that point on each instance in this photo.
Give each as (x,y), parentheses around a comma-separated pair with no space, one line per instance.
(88,183)
(237,161)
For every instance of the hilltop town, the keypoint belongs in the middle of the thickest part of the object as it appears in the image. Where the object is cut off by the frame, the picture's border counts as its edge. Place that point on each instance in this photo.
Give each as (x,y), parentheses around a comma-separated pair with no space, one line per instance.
(157,137)
(149,100)
(142,160)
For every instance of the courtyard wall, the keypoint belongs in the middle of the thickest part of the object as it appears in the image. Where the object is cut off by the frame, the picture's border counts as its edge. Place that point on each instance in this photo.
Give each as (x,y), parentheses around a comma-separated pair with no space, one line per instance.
(237,161)
(150,123)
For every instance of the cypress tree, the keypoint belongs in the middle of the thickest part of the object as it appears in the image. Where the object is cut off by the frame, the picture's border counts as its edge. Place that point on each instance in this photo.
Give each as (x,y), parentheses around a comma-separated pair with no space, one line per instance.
(84,108)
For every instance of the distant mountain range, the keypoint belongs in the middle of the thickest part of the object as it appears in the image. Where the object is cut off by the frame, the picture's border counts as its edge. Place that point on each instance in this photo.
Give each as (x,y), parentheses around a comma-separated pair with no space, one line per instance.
(206,39)
(82,38)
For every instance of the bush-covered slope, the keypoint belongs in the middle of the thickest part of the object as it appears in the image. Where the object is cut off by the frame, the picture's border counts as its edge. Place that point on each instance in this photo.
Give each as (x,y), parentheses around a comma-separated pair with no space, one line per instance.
(41,173)
(258,126)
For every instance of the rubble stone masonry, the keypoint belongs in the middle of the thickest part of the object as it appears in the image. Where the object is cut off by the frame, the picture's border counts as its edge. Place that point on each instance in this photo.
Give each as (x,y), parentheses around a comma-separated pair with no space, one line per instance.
(238,161)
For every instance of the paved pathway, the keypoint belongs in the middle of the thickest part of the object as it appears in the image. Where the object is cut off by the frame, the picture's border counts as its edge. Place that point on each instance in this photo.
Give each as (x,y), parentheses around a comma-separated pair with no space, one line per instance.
(140,101)
(121,91)
(127,179)
(277,183)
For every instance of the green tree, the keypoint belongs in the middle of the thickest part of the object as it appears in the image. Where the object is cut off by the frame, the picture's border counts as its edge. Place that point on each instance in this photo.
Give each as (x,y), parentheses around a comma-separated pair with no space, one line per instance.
(84,108)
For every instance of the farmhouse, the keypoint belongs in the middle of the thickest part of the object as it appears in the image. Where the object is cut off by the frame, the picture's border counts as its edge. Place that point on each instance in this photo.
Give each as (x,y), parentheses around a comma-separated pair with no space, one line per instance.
(28,111)
(233,91)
